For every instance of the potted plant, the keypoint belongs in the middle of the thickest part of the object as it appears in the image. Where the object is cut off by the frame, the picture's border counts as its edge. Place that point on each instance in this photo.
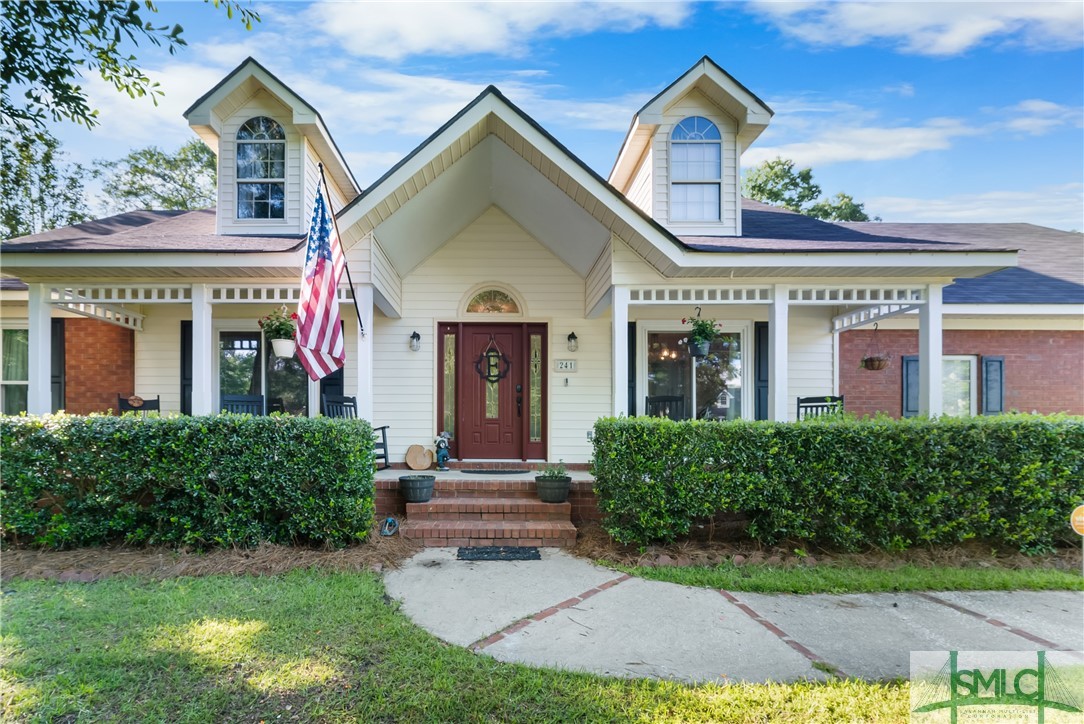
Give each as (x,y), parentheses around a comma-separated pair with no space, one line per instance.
(701,336)
(552,483)
(417,488)
(280,326)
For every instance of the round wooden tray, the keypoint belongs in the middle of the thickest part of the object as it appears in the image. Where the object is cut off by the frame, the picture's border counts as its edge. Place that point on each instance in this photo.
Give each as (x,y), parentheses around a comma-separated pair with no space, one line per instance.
(418,457)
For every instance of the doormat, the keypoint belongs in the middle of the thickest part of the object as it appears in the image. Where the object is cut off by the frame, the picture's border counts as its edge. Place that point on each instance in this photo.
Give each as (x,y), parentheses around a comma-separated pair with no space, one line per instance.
(498,553)
(507,471)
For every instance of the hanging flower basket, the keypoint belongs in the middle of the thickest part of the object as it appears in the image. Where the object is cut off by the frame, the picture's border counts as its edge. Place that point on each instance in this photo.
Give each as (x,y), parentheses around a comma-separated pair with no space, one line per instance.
(700,347)
(874,364)
(284,348)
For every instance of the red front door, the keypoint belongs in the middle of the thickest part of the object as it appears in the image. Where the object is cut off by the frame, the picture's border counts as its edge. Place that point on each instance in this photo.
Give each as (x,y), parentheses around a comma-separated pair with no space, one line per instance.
(498,395)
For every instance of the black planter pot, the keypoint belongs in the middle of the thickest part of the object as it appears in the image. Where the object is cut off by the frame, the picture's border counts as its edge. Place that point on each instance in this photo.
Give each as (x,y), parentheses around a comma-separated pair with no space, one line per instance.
(553,490)
(417,488)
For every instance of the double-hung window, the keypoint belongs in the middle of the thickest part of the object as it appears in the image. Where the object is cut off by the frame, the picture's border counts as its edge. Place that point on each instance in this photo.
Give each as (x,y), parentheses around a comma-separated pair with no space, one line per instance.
(696,149)
(261,170)
(14,370)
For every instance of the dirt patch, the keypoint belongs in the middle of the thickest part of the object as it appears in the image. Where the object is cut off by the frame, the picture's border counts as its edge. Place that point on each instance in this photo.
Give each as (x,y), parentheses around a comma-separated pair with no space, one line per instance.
(91,564)
(592,542)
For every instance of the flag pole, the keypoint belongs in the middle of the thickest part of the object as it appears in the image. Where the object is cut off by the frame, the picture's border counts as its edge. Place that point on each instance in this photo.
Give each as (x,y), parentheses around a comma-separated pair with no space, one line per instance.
(346,266)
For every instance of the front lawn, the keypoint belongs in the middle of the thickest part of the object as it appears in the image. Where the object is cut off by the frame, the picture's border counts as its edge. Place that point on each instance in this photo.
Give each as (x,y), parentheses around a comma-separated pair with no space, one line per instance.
(312,645)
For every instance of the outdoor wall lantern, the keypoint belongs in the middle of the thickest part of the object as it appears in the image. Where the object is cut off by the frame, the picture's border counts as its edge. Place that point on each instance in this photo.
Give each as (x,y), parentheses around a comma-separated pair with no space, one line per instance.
(573,342)
(415,342)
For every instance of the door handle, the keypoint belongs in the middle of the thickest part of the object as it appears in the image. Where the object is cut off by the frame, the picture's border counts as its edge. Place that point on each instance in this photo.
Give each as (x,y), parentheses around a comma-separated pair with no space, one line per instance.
(519,406)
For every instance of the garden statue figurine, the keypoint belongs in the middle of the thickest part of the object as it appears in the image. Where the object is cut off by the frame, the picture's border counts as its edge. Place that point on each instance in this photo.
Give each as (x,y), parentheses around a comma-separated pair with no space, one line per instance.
(442,450)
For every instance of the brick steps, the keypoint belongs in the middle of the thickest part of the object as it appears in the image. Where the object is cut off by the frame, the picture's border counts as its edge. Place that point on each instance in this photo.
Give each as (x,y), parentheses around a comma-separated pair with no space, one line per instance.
(487,512)
(480,508)
(439,533)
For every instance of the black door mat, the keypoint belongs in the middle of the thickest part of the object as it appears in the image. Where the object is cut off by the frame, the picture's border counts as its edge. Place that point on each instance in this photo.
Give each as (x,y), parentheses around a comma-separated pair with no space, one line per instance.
(499,553)
(508,471)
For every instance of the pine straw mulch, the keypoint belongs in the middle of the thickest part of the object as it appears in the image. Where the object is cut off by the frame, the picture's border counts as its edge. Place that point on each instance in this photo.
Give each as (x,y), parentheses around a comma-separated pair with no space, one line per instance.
(594,543)
(379,552)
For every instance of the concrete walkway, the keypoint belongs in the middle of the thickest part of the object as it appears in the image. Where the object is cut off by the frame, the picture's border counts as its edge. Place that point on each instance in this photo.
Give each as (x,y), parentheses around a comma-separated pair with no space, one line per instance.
(564,612)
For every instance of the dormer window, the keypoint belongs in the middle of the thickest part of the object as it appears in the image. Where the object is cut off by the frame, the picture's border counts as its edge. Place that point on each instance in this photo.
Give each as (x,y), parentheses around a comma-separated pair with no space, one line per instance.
(261,170)
(696,150)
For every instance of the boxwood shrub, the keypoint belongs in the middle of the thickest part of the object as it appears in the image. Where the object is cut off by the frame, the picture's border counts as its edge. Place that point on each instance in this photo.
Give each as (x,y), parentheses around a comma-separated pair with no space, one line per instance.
(846,483)
(228,480)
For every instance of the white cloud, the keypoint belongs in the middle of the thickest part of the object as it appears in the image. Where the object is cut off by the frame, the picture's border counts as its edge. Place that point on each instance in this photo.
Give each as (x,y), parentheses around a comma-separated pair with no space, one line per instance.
(931,27)
(395,30)
(1058,206)
(1037,117)
(837,143)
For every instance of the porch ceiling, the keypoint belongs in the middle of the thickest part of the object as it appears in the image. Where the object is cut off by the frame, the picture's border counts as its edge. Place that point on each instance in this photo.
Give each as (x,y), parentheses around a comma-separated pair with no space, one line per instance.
(75,267)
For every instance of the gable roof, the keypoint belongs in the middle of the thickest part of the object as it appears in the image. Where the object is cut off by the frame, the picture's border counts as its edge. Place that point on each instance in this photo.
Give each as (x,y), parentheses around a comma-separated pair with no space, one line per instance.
(203,119)
(1050,262)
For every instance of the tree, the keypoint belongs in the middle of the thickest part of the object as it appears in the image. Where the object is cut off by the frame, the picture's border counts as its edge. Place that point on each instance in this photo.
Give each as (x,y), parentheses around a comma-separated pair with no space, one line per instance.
(38,189)
(776,182)
(150,178)
(49,45)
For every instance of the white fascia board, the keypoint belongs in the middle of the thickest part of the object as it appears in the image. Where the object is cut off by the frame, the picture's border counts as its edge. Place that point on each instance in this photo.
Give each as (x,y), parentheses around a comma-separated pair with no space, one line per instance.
(1012,310)
(985,261)
(155,260)
(635,147)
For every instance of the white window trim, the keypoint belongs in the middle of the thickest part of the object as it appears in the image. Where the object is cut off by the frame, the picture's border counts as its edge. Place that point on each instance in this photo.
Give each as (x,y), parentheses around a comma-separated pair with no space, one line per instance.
(237,180)
(689,182)
(748,365)
(12,324)
(973,403)
(249,325)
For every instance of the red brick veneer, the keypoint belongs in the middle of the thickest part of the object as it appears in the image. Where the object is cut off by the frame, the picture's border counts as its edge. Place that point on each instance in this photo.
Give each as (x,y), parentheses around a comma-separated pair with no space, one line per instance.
(99,364)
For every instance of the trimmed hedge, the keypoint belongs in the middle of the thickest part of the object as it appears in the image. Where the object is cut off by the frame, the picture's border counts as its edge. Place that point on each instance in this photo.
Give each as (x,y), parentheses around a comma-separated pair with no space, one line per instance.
(228,480)
(846,483)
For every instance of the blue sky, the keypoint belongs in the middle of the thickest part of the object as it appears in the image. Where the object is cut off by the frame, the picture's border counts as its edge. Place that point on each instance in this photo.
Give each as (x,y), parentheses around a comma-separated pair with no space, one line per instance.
(924,111)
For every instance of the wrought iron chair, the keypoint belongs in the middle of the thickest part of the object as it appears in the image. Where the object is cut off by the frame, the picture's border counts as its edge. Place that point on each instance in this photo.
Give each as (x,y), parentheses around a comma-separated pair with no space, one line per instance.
(125,405)
(344,406)
(821,405)
(243,404)
(672,406)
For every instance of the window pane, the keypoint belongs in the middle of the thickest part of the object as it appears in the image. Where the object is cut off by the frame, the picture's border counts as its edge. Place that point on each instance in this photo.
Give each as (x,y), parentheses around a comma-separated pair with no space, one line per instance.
(492,301)
(287,386)
(261,127)
(956,387)
(535,398)
(668,367)
(14,398)
(696,161)
(448,413)
(694,202)
(16,348)
(718,380)
(239,370)
(695,128)
(492,400)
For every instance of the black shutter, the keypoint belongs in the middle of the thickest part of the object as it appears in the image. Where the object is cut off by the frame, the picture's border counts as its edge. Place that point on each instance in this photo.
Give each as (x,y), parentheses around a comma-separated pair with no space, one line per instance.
(993,385)
(334,383)
(632,369)
(186,367)
(910,385)
(760,353)
(56,377)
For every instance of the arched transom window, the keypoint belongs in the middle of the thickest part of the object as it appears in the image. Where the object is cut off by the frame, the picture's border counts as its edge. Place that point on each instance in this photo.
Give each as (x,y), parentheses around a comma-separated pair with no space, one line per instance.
(492,301)
(261,170)
(696,149)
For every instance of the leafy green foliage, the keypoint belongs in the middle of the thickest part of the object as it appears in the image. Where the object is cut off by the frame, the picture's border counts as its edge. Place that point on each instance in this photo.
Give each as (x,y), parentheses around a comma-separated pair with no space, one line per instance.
(150,178)
(49,45)
(194,481)
(845,483)
(38,190)
(777,182)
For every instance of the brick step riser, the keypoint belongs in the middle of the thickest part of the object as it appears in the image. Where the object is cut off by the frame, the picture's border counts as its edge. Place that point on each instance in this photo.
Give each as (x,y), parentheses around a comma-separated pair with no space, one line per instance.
(490,533)
(510,542)
(453,515)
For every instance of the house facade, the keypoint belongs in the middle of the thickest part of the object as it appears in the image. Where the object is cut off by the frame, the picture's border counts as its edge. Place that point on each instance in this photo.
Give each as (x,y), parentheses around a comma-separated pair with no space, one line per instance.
(505,292)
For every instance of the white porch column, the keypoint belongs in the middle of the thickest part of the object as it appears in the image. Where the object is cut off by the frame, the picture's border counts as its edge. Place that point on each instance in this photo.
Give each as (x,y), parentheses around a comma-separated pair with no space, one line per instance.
(620,351)
(929,353)
(202,350)
(39,394)
(363,294)
(778,352)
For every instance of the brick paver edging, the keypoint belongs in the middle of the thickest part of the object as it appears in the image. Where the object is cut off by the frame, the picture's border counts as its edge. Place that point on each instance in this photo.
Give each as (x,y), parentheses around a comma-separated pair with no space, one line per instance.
(546,613)
(994,622)
(782,635)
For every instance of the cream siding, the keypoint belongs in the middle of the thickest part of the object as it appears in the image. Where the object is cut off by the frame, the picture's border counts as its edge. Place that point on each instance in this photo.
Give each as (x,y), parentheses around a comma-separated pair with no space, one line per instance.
(599,280)
(812,357)
(496,250)
(385,279)
(639,191)
(260,104)
(629,268)
(158,354)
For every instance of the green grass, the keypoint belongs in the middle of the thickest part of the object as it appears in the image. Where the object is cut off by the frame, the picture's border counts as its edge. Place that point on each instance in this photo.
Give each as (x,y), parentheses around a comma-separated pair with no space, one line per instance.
(843,578)
(323,646)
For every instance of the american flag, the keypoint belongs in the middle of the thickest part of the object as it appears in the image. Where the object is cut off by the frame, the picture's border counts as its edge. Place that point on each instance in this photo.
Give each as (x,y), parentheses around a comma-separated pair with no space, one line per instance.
(319,326)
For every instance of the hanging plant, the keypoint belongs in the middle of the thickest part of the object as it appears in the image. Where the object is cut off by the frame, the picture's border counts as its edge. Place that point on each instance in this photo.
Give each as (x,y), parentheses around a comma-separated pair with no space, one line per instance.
(280,324)
(702,334)
(874,359)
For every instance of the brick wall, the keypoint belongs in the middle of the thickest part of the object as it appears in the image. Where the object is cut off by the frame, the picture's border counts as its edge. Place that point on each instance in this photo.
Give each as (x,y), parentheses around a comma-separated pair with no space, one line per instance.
(1044,371)
(99,364)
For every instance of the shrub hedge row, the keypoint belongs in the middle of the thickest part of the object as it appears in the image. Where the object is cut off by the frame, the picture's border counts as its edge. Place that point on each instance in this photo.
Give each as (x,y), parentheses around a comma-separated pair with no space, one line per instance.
(194,481)
(845,483)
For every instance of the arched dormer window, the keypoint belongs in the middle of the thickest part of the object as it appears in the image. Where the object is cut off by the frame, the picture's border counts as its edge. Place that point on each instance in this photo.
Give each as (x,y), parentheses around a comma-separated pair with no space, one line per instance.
(261,170)
(696,151)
